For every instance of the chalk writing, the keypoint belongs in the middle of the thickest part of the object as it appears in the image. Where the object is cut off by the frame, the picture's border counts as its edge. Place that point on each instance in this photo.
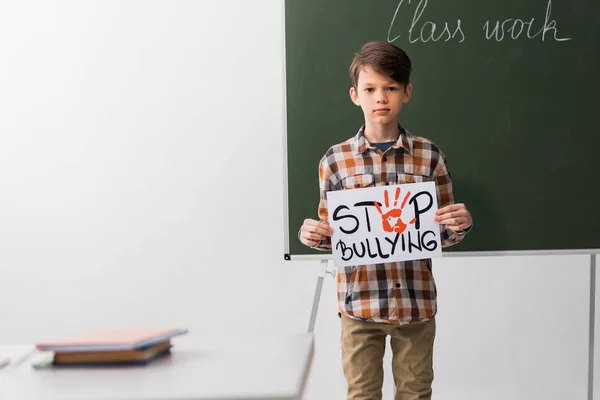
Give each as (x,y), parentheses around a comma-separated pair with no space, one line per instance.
(428,28)
(424,30)
(516,27)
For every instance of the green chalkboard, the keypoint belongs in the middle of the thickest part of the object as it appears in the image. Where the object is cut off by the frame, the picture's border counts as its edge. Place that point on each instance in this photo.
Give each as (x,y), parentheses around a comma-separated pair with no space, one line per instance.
(510,90)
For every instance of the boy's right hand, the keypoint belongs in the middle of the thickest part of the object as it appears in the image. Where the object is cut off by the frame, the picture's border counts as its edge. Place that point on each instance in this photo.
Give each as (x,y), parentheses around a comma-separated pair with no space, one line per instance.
(312,232)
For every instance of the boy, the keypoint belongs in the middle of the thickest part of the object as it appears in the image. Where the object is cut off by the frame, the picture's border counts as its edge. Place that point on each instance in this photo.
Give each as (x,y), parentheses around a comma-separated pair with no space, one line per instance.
(396,299)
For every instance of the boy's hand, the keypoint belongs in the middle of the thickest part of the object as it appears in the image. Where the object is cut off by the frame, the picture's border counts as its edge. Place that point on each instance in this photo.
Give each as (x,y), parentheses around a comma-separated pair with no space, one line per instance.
(455,216)
(312,232)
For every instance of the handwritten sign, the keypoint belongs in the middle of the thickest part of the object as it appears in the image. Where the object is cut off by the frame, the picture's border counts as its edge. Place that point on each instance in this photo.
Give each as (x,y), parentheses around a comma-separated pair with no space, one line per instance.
(384,224)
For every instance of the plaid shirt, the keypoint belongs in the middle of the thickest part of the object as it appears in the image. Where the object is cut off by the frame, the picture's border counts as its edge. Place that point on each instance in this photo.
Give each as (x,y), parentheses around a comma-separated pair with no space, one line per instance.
(396,292)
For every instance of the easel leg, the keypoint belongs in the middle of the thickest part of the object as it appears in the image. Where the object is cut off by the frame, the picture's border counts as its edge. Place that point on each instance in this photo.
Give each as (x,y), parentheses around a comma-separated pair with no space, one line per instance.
(592,326)
(323,270)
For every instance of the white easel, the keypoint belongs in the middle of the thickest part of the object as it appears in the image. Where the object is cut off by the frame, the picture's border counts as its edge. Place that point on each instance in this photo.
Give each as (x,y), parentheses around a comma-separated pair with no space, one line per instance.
(592,327)
(326,268)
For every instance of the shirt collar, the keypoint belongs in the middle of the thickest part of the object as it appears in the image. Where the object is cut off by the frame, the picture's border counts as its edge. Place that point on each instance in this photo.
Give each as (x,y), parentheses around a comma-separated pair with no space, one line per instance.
(404,141)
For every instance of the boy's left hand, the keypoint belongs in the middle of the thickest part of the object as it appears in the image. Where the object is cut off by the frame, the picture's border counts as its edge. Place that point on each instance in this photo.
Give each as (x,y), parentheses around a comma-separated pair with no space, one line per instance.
(455,216)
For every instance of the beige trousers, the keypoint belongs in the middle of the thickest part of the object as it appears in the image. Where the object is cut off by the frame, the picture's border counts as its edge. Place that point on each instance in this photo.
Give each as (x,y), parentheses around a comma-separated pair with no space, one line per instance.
(363,346)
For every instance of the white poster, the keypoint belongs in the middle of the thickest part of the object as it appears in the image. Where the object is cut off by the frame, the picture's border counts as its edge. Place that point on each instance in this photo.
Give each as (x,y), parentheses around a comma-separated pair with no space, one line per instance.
(384,224)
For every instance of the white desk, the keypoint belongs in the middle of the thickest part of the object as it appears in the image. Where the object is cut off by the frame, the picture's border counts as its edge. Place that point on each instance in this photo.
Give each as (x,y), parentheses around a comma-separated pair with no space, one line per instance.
(215,368)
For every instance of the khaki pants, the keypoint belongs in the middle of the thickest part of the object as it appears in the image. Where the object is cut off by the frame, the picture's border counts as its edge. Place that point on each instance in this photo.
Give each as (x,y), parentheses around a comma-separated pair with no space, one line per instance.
(363,346)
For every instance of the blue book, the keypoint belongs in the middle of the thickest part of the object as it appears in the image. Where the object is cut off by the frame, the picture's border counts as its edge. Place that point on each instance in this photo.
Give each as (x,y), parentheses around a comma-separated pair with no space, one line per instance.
(111,340)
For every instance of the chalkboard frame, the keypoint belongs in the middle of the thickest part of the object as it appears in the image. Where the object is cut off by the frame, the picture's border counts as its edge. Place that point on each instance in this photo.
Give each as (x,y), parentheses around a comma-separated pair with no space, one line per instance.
(289,232)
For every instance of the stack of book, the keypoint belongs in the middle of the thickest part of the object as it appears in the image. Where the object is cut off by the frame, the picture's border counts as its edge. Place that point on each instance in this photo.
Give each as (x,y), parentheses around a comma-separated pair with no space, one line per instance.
(126,347)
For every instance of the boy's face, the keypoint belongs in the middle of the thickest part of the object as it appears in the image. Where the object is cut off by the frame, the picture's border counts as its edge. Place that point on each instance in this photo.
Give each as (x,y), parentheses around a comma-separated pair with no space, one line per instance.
(380,98)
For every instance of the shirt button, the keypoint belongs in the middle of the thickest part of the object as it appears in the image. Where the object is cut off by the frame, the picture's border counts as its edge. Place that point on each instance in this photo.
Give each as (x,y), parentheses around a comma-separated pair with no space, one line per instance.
(398,285)
(384,159)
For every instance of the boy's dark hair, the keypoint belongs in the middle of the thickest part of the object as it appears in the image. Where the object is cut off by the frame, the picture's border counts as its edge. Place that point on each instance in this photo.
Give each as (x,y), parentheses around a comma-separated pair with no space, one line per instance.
(385,59)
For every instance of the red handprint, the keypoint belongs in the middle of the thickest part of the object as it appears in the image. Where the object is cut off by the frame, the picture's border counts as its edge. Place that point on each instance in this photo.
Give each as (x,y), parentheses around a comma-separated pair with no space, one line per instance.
(395,213)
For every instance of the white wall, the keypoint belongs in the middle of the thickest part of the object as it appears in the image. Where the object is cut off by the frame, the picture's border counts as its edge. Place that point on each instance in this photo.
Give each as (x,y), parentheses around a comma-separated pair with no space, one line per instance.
(141,185)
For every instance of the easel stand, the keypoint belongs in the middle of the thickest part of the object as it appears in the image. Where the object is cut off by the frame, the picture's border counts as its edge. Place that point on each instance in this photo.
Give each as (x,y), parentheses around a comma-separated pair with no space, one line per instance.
(592,327)
(325,268)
